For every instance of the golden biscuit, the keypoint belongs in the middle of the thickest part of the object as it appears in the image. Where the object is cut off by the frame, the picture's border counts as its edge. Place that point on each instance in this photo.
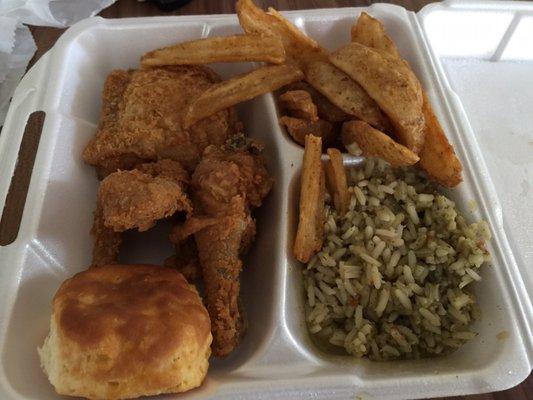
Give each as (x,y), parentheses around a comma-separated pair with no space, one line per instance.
(124,331)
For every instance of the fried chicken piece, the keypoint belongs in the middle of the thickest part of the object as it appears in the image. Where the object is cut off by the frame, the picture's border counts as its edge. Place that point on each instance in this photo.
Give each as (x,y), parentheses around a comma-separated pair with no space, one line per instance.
(133,198)
(168,169)
(219,249)
(139,197)
(225,173)
(182,233)
(220,240)
(141,119)
(299,104)
(106,241)
(225,185)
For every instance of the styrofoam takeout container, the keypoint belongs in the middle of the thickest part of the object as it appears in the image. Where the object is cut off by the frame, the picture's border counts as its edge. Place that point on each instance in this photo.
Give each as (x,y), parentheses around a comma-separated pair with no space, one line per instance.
(474,59)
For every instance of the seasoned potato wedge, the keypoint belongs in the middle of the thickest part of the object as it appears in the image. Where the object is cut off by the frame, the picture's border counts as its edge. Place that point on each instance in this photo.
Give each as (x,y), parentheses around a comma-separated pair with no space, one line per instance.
(437,157)
(300,49)
(218,49)
(370,32)
(299,104)
(374,143)
(309,235)
(391,85)
(345,93)
(240,88)
(337,181)
(299,128)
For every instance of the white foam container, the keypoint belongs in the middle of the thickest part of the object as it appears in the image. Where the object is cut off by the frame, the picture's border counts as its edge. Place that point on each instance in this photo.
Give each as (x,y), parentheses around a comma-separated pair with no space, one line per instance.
(474,59)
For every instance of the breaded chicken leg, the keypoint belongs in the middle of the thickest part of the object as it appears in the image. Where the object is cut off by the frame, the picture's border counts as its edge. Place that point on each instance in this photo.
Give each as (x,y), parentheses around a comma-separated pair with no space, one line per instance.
(225,185)
(219,252)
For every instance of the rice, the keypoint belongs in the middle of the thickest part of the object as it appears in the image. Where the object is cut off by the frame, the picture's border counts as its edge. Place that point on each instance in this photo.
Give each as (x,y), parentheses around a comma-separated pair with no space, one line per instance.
(393,278)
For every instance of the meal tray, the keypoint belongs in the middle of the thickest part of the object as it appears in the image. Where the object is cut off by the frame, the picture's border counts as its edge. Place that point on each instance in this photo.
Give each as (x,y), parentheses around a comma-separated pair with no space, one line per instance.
(463,70)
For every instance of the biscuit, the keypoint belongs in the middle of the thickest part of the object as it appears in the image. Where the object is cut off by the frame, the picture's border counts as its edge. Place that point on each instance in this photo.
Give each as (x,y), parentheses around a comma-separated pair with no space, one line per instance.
(124,331)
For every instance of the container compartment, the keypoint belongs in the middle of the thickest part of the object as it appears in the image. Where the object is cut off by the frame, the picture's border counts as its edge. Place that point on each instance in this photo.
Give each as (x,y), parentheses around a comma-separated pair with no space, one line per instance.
(485,357)
(57,243)
(277,359)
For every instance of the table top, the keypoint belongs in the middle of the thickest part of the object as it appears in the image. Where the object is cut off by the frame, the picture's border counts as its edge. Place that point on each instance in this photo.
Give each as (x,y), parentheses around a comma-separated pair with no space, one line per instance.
(45,39)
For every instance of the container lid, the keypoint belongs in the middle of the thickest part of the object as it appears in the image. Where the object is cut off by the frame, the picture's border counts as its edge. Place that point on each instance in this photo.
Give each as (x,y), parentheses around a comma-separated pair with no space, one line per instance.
(485,54)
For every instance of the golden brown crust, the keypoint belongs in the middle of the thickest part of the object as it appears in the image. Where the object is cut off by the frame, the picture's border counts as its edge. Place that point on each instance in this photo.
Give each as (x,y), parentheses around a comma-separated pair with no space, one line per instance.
(167,169)
(130,199)
(129,330)
(114,88)
(118,299)
(141,118)
(223,175)
(226,184)
(134,199)
(218,249)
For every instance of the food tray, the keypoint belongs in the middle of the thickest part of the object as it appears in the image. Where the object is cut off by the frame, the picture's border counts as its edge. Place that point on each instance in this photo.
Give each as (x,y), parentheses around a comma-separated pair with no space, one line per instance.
(277,359)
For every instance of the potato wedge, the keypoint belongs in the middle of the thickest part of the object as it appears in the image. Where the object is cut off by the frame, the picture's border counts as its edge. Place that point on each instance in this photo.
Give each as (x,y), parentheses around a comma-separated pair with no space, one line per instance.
(374,143)
(299,104)
(345,93)
(299,128)
(218,49)
(300,49)
(238,89)
(325,108)
(437,157)
(309,235)
(370,32)
(391,85)
(337,181)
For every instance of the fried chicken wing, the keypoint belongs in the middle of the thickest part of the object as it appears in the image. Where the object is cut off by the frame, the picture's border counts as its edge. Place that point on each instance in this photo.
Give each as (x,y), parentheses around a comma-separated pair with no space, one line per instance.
(139,197)
(225,185)
(142,119)
(136,199)
(219,249)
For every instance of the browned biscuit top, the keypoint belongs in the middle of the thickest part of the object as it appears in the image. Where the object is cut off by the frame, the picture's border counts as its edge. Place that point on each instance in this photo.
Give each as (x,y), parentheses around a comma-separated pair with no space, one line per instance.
(134,316)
